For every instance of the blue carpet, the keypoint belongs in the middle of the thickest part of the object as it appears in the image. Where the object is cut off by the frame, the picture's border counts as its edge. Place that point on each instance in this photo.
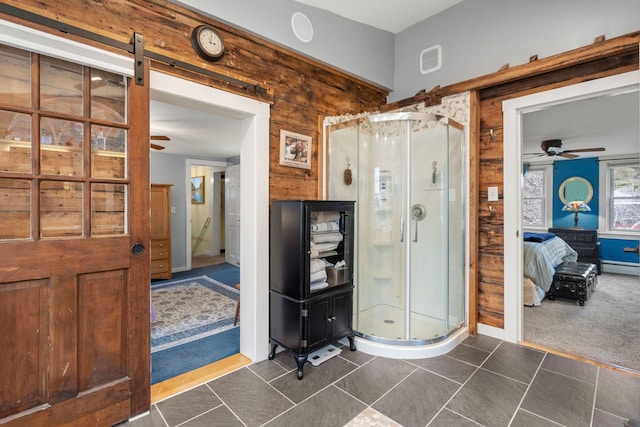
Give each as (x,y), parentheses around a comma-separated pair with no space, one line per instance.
(175,361)
(226,273)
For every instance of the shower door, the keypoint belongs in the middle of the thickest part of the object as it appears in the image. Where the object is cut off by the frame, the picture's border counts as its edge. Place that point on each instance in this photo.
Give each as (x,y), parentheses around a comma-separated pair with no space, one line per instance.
(410,234)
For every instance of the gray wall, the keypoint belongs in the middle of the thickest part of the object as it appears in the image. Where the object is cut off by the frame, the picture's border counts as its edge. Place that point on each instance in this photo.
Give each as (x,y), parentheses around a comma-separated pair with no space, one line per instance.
(358,49)
(477,36)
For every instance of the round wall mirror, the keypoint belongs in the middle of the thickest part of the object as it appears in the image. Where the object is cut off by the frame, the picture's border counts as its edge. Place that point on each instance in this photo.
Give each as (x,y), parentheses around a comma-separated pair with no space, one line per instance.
(574,189)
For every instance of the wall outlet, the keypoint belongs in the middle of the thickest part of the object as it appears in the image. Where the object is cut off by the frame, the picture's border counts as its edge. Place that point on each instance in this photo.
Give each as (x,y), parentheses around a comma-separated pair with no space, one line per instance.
(493,194)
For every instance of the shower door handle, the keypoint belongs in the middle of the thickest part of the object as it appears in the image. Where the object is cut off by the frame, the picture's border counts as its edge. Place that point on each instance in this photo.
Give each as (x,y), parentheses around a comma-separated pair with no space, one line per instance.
(401,230)
(418,213)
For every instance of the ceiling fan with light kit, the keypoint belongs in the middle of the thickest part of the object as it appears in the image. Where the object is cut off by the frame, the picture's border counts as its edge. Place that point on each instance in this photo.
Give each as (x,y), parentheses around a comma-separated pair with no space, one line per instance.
(553,147)
(158,138)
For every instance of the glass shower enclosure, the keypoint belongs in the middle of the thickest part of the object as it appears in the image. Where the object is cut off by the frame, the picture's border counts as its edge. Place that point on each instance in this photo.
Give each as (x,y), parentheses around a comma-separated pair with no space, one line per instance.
(406,173)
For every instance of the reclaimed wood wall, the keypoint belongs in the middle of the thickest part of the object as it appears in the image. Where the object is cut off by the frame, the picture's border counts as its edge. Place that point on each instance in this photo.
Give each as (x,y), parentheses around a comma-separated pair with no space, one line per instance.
(299,89)
(602,59)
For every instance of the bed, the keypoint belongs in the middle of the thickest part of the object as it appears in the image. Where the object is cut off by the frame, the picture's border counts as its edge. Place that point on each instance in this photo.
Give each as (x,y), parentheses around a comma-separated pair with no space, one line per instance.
(540,257)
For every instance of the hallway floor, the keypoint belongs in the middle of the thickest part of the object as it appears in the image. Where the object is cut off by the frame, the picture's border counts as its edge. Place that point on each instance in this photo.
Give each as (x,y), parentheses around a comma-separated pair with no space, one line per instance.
(482,382)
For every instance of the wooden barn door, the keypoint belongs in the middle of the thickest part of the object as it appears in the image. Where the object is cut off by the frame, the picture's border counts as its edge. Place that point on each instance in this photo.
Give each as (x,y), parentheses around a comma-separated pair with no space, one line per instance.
(74,217)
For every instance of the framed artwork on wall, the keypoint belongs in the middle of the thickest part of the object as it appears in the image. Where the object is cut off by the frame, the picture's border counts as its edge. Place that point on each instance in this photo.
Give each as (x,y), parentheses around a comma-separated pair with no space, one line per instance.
(197,190)
(295,150)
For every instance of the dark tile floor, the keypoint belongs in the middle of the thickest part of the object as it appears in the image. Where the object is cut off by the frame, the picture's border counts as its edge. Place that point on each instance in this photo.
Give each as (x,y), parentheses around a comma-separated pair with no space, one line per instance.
(482,382)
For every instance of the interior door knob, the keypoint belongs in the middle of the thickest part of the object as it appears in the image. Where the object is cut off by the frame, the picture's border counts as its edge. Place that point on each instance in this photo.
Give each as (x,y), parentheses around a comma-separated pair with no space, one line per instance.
(137,248)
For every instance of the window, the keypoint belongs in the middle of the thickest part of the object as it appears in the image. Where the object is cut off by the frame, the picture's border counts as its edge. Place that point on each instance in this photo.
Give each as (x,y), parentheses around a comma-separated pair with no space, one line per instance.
(63,149)
(533,198)
(624,197)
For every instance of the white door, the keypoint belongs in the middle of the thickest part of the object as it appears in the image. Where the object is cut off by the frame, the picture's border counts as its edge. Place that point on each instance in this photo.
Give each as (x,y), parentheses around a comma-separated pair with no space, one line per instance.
(232,215)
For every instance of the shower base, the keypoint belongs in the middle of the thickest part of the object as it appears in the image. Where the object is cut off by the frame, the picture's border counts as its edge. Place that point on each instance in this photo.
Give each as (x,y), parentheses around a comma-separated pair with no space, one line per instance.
(381,333)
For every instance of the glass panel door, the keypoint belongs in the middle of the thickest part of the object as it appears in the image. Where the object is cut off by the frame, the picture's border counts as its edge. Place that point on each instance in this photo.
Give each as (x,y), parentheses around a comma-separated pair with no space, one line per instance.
(429,223)
(382,230)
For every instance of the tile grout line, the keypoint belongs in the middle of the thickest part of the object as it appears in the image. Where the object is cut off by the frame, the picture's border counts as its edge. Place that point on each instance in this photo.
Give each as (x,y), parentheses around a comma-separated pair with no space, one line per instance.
(463,384)
(524,395)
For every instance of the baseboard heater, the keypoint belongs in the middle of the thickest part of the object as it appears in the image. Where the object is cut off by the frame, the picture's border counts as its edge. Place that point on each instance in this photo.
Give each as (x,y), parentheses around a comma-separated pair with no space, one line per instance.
(618,267)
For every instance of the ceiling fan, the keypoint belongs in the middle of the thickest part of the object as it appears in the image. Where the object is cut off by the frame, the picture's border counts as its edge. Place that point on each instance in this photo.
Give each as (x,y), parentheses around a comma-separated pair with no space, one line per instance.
(553,147)
(158,138)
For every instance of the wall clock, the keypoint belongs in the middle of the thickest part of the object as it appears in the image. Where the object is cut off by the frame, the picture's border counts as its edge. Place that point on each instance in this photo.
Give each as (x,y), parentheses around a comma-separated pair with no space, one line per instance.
(207,42)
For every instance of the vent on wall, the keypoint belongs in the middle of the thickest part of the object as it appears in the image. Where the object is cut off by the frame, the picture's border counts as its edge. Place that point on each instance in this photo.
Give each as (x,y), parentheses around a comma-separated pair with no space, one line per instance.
(431,59)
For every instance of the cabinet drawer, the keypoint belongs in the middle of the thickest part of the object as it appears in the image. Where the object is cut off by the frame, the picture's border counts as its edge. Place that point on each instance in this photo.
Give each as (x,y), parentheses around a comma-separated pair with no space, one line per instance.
(159,249)
(159,266)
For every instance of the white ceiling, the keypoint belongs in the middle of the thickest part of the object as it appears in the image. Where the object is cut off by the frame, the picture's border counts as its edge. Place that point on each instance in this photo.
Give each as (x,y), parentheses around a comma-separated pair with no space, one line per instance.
(392,16)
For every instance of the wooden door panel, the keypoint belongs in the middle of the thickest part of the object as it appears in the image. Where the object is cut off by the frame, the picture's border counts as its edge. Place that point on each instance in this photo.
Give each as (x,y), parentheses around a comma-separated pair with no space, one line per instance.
(23,341)
(102,344)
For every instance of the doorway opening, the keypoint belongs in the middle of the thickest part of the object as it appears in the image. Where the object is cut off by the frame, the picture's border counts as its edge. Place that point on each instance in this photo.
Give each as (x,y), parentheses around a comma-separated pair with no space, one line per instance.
(514,110)
(252,118)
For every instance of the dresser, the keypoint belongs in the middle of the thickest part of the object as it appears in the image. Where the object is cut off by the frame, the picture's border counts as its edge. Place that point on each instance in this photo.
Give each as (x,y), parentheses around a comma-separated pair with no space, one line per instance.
(160,231)
(583,241)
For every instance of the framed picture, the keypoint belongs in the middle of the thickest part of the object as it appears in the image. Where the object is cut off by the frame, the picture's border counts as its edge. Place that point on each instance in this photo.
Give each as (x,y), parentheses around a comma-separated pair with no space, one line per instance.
(197,190)
(295,150)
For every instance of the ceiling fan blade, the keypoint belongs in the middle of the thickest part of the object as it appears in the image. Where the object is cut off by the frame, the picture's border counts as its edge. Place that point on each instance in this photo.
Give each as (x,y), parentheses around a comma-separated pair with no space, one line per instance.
(568,155)
(584,150)
(159,138)
(157,147)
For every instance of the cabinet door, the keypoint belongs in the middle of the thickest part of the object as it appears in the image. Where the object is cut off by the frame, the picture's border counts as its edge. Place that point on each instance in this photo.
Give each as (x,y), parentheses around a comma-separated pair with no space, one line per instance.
(319,328)
(342,315)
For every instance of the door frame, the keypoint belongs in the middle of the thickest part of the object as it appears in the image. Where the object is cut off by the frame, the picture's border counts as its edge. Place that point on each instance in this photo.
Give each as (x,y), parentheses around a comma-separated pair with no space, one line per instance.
(254,199)
(513,110)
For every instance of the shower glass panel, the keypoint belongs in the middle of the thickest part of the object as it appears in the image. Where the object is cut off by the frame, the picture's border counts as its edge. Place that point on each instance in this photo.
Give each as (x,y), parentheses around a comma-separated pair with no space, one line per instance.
(407,171)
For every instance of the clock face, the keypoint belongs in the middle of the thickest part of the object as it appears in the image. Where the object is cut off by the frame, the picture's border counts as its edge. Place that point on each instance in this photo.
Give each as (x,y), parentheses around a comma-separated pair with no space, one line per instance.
(208,42)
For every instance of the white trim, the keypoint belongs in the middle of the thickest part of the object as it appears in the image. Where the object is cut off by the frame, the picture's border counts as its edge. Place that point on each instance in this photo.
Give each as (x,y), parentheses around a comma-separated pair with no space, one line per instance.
(37,41)
(490,331)
(254,199)
(513,110)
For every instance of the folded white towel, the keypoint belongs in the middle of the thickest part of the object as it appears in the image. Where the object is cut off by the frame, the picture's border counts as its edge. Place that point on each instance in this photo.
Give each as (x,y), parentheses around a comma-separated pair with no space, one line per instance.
(318,276)
(326,226)
(318,285)
(326,237)
(316,264)
(322,247)
(325,216)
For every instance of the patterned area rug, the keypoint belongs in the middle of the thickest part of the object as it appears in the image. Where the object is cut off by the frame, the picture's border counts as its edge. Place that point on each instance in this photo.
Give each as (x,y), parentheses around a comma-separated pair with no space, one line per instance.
(190,309)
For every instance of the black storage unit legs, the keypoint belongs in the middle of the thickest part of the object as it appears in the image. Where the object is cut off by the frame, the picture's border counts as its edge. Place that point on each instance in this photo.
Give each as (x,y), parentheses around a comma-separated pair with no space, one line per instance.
(311,276)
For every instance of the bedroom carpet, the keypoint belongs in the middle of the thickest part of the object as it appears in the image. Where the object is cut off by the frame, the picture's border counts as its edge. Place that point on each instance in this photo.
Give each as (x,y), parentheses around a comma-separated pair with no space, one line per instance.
(606,329)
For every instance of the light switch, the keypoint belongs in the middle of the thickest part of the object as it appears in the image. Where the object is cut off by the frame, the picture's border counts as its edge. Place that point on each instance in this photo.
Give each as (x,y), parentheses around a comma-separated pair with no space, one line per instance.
(173,209)
(493,194)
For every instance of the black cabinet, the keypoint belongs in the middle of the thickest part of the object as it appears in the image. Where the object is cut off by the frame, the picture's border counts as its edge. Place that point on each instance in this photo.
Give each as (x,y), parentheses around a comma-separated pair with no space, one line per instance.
(310,276)
(583,241)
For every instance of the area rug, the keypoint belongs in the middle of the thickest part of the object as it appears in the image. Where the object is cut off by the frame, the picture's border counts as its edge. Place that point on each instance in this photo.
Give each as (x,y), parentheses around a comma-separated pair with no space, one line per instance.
(606,329)
(189,310)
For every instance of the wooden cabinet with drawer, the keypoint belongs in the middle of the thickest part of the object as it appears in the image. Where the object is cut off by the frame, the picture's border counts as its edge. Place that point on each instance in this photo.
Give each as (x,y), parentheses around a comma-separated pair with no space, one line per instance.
(160,231)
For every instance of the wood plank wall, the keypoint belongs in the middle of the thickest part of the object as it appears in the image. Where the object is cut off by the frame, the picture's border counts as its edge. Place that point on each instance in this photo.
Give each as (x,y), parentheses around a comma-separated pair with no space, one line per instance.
(603,58)
(300,90)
